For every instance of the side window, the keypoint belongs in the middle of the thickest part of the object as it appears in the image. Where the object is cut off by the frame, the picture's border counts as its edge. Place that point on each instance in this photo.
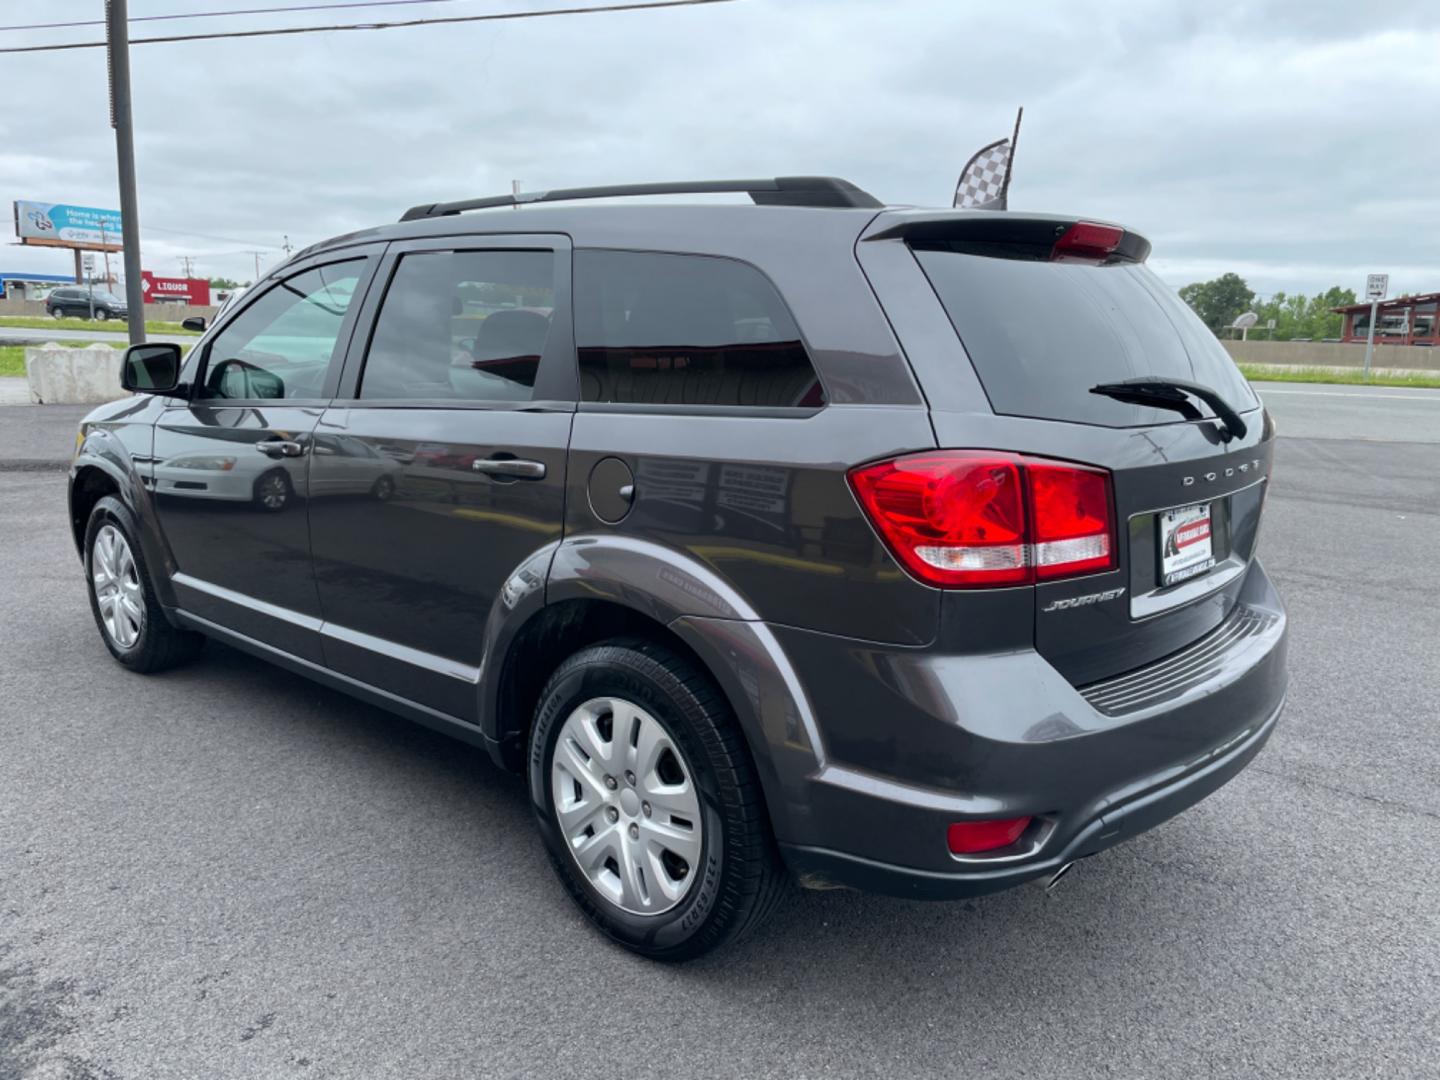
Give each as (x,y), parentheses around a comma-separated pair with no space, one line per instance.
(462,325)
(281,345)
(686,330)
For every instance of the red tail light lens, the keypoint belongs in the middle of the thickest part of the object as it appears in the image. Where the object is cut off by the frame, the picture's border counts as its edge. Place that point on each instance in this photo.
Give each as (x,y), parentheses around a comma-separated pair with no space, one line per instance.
(973,837)
(1087,241)
(1074,522)
(953,518)
(971,518)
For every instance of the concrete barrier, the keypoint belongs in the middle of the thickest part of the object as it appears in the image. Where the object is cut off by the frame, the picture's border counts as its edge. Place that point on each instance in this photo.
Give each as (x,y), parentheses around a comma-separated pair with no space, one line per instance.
(1325,354)
(35,309)
(61,376)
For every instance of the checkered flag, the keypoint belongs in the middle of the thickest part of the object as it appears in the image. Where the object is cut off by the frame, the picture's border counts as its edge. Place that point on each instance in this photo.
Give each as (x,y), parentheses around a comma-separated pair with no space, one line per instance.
(985,180)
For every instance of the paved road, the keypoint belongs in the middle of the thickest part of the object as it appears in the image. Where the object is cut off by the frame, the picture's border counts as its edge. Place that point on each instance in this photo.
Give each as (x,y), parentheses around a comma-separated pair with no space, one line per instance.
(1370,413)
(12,335)
(230,872)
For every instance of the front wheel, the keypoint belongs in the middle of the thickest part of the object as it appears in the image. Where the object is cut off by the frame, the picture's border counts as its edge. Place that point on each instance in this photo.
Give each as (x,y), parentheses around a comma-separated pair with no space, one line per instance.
(648,802)
(122,596)
(56,313)
(103,314)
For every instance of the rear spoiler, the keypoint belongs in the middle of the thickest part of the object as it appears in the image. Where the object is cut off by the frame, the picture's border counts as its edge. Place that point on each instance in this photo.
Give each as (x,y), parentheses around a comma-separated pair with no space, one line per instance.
(1004,233)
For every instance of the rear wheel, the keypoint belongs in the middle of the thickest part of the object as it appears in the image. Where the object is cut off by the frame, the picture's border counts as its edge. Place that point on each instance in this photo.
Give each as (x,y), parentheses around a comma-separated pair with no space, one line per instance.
(648,801)
(273,491)
(57,313)
(122,596)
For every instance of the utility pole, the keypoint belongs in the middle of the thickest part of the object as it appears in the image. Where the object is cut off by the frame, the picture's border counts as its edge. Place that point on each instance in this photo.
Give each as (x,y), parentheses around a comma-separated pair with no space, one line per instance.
(286,246)
(257,255)
(185,261)
(117,36)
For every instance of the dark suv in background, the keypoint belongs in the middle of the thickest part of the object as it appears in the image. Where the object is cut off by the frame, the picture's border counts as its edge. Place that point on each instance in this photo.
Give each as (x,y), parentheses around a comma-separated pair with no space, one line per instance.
(911,550)
(74,301)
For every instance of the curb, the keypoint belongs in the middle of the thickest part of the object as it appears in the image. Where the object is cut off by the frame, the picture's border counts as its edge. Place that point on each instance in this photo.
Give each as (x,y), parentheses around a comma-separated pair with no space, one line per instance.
(33,465)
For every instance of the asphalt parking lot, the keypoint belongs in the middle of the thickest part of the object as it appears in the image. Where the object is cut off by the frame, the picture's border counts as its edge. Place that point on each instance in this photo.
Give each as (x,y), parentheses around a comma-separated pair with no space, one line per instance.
(227,871)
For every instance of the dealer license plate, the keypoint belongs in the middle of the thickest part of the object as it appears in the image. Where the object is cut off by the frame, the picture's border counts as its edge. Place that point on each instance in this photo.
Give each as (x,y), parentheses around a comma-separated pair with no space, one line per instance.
(1185,543)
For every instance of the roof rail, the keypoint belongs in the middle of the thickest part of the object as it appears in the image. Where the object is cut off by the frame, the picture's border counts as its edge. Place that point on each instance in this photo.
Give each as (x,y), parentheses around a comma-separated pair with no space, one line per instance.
(781,191)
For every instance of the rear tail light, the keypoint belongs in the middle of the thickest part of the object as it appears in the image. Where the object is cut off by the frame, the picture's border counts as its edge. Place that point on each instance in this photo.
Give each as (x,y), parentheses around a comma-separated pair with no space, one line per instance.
(1087,241)
(971,518)
(973,837)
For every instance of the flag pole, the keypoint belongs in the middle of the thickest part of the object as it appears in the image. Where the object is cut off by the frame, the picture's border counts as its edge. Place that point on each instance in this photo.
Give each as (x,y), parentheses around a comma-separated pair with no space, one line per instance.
(1014,141)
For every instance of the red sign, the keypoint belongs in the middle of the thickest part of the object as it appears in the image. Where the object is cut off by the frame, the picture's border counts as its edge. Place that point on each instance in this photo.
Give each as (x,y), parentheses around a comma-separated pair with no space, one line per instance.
(175,290)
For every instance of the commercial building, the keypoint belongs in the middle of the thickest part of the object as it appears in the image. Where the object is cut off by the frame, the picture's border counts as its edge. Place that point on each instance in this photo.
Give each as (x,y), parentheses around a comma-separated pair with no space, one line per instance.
(1406,320)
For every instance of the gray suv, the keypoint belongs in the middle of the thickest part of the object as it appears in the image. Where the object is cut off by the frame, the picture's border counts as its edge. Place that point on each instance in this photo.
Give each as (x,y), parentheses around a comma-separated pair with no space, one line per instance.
(78,301)
(907,550)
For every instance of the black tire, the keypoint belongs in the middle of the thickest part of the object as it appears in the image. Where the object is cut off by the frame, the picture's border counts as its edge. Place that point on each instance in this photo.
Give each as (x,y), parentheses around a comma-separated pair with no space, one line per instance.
(103,314)
(742,877)
(273,491)
(57,313)
(159,645)
(383,488)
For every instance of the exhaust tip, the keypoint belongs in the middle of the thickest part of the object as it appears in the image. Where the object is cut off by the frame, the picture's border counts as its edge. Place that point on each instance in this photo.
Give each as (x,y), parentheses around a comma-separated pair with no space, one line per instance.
(1048,884)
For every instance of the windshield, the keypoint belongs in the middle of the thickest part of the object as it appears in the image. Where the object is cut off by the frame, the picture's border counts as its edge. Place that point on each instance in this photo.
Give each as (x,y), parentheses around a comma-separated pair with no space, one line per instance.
(1041,334)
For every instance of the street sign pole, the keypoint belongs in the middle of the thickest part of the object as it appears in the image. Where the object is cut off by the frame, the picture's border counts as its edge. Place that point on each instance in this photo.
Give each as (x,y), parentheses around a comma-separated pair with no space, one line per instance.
(1376,286)
(1370,338)
(117,34)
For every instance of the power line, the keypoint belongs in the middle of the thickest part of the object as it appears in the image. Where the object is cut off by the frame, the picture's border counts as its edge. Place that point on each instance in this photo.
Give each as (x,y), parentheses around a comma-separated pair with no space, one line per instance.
(278,31)
(203,236)
(222,14)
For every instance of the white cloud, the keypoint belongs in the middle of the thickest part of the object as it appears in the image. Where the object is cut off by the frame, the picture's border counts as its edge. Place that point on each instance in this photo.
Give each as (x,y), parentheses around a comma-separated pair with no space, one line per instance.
(1290,141)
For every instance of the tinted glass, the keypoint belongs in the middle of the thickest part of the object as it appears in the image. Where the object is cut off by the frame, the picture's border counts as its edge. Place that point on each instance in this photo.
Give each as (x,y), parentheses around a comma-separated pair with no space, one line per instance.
(462,325)
(686,330)
(1041,334)
(282,344)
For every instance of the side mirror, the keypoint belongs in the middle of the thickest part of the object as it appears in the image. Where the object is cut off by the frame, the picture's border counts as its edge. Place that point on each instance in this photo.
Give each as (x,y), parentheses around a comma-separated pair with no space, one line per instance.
(151,368)
(194,322)
(241,381)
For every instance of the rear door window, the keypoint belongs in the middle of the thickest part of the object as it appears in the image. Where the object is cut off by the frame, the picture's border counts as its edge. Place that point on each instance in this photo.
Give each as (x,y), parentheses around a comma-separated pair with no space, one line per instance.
(686,330)
(462,326)
(1041,334)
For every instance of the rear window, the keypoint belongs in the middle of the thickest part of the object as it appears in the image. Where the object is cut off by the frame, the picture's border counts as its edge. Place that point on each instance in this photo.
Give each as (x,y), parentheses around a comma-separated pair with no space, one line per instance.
(660,329)
(1041,334)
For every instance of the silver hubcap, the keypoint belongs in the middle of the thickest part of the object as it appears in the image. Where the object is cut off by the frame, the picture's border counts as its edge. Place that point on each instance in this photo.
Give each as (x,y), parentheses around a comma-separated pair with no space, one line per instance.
(116,580)
(272,492)
(626,803)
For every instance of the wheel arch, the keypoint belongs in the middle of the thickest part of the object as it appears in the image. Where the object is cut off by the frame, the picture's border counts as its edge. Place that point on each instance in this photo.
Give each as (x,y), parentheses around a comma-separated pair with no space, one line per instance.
(103,466)
(88,486)
(604,587)
(549,635)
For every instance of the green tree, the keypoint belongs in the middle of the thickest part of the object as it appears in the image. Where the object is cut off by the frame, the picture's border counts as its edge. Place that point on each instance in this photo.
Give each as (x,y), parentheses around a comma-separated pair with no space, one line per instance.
(1219,302)
(1305,316)
(224,283)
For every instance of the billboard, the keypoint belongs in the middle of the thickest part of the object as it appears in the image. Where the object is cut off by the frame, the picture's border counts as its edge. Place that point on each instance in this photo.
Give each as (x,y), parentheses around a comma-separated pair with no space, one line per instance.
(62,225)
(159,290)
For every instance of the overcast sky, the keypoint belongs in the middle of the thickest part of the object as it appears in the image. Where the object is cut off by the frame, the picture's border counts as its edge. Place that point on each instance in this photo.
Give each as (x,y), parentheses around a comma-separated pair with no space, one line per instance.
(1294,141)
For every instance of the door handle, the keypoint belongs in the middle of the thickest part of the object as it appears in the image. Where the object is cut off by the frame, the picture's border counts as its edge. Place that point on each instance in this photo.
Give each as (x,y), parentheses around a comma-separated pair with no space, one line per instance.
(513,468)
(280,448)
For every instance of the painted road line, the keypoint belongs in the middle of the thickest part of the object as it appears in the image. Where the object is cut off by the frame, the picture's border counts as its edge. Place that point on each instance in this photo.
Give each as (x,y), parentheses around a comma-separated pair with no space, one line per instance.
(1434,400)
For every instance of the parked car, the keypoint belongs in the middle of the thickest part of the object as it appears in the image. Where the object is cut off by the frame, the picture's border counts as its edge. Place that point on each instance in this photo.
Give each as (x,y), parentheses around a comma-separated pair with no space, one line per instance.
(74,301)
(901,549)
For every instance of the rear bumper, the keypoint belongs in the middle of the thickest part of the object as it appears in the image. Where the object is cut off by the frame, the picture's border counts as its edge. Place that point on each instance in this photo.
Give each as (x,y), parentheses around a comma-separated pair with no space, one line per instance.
(822,867)
(872,751)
